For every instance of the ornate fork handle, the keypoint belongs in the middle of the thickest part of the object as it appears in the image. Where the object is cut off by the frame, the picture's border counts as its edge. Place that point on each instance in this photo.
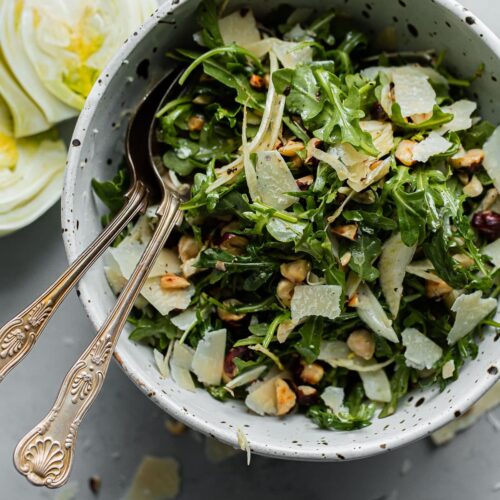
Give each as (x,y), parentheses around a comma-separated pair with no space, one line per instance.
(45,455)
(19,335)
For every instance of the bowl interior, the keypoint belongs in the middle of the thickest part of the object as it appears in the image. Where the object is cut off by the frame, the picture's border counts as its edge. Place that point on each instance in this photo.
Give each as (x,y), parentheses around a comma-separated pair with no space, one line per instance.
(97,151)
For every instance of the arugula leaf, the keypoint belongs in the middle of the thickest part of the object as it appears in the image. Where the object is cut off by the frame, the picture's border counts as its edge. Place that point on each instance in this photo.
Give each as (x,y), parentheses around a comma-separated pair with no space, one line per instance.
(112,192)
(157,330)
(326,419)
(374,220)
(207,18)
(477,135)
(342,113)
(365,250)
(399,386)
(437,119)
(310,333)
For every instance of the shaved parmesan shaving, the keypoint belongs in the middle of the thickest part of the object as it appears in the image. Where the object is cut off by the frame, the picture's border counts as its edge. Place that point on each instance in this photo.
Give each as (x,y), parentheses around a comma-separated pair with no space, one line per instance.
(421,269)
(433,145)
(289,53)
(461,111)
(274,180)
(470,310)
(180,364)
(156,478)
(377,386)
(337,353)
(240,28)
(448,369)
(261,398)
(364,174)
(246,377)
(333,397)
(115,278)
(489,401)
(185,320)
(491,161)
(493,252)
(243,444)
(392,265)
(412,91)
(208,359)
(421,352)
(166,300)
(371,313)
(316,300)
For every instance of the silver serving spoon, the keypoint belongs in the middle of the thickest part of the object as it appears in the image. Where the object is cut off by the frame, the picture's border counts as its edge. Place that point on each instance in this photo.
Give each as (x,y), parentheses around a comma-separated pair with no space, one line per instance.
(45,455)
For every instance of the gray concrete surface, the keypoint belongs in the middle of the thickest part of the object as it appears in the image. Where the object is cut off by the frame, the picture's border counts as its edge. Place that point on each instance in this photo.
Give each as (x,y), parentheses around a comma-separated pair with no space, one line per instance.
(124,426)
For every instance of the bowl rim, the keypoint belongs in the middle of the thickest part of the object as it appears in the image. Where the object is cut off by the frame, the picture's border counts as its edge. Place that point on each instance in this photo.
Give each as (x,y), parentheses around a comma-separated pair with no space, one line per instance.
(168,404)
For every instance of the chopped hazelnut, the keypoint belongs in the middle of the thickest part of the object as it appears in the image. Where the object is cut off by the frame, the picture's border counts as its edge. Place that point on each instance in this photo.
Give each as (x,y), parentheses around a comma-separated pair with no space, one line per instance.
(469,159)
(420,117)
(303,183)
(284,330)
(344,260)
(348,231)
(488,200)
(195,123)
(202,99)
(404,152)
(353,301)
(295,271)
(306,395)
(284,292)
(473,188)
(463,259)
(172,281)
(188,248)
(291,148)
(361,343)
(257,81)
(220,266)
(229,316)
(436,289)
(233,243)
(285,397)
(296,162)
(312,374)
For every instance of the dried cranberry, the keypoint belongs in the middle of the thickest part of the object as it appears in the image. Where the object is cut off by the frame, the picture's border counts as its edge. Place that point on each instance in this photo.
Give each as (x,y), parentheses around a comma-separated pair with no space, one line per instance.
(378,112)
(487,224)
(242,352)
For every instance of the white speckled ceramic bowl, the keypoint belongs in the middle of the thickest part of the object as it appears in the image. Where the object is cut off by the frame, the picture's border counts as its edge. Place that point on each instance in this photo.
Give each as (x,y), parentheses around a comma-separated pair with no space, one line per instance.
(97,151)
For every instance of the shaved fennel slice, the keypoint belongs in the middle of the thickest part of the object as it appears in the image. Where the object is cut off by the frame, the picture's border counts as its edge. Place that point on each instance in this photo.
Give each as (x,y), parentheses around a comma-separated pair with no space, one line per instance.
(246,377)
(376,385)
(461,111)
(493,252)
(336,353)
(372,314)
(470,310)
(240,28)
(331,158)
(33,209)
(15,55)
(208,359)
(28,119)
(433,145)
(316,300)
(421,352)
(382,135)
(491,161)
(180,364)
(274,180)
(333,397)
(261,397)
(392,265)
(412,91)
(285,231)
(39,160)
(421,269)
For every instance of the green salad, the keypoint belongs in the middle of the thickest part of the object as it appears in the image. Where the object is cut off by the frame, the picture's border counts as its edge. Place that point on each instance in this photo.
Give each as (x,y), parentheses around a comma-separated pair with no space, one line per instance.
(338,248)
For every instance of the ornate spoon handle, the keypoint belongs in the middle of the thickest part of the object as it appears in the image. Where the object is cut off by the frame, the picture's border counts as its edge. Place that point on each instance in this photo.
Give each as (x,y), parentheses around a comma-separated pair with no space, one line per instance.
(19,335)
(45,455)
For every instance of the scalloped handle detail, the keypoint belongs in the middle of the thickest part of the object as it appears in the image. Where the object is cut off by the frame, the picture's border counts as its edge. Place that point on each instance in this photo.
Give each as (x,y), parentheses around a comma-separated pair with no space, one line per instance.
(45,455)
